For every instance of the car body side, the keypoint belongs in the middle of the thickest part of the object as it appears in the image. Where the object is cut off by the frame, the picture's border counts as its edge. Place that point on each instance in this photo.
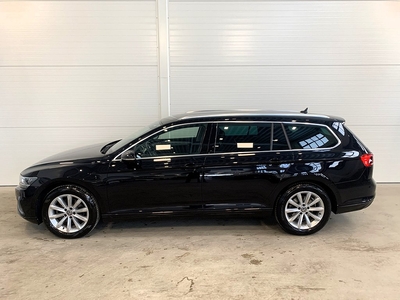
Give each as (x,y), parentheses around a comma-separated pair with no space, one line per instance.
(198,185)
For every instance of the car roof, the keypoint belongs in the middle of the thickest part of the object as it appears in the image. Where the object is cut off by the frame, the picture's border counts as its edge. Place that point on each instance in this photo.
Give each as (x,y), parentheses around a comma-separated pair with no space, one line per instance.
(246,113)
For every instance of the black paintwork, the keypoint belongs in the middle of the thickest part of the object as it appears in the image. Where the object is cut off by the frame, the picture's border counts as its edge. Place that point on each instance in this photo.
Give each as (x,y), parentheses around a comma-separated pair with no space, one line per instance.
(206,183)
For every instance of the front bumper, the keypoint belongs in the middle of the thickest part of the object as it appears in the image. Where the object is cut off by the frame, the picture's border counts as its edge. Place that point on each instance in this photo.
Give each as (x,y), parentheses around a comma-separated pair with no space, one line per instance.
(26,206)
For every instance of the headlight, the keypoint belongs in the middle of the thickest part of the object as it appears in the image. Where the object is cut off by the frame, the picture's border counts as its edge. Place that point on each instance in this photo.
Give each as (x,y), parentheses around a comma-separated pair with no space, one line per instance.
(25,182)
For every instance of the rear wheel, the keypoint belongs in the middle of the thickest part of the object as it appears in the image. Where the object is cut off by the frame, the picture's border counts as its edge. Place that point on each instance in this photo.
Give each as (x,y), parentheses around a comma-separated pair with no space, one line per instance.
(303,209)
(70,212)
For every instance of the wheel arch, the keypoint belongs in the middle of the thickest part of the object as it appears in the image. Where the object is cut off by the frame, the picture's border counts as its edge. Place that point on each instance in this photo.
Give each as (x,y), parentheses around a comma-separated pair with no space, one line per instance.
(57,183)
(326,185)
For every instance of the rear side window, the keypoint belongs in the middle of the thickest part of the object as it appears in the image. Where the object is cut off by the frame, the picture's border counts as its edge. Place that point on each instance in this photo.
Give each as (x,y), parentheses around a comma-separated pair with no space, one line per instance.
(279,141)
(303,136)
(243,137)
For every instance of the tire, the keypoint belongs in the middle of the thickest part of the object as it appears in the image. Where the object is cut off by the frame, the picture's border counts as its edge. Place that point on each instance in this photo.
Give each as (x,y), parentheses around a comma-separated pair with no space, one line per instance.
(303,209)
(70,212)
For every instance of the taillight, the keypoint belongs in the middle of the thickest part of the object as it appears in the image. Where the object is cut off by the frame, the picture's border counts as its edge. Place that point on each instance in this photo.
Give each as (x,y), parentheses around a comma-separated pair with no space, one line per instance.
(367,159)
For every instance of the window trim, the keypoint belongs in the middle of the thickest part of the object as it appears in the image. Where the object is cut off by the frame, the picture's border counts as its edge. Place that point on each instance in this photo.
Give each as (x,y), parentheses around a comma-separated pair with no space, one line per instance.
(282,123)
(271,136)
(234,152)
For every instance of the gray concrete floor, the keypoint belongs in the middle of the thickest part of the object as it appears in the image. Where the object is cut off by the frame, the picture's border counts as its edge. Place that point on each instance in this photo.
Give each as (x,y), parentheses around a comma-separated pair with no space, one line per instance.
(356,256)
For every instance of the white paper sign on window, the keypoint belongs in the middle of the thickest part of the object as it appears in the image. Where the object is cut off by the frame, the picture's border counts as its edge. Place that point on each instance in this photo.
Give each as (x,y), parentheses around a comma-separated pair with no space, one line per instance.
(244,145)
(163,147)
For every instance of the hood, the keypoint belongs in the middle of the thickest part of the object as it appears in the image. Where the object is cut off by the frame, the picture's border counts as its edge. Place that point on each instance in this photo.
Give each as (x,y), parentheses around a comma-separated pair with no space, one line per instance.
(92,151)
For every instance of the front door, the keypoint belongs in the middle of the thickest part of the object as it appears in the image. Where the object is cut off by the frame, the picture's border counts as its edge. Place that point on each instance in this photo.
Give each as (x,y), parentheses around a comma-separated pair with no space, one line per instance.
(166,173)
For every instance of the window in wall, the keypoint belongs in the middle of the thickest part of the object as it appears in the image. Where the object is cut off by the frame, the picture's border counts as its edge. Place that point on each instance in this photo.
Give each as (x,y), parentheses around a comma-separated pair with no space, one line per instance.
(309,136)
(180,140)
(240,137)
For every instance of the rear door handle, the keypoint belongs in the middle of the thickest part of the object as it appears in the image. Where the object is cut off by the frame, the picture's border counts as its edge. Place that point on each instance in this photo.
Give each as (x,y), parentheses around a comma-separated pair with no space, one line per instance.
(274,160)
(191,165)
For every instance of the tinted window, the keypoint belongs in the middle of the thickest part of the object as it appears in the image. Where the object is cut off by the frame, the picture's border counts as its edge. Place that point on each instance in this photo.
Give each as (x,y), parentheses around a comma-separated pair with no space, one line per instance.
(173,141)
(279,139)
(132,137)
(309,136)
(243,137)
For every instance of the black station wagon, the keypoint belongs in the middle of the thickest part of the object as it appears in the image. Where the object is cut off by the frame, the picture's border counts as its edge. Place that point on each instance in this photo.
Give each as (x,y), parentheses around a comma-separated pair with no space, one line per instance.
(296,166)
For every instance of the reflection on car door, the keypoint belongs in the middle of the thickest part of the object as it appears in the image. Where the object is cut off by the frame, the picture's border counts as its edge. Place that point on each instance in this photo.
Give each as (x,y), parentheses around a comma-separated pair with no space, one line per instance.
(167,171)
(245,165)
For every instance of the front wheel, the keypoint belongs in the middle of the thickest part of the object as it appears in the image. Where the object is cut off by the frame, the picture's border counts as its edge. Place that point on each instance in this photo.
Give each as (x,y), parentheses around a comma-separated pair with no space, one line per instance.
(303,209)
(70,212)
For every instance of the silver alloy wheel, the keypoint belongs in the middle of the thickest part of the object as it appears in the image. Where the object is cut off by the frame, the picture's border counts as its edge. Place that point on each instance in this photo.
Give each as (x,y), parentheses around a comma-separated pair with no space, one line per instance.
(304,210)
(68,213)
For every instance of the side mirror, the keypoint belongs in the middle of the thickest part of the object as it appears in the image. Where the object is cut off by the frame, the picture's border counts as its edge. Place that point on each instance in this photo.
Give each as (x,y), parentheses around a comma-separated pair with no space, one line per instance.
(128,156)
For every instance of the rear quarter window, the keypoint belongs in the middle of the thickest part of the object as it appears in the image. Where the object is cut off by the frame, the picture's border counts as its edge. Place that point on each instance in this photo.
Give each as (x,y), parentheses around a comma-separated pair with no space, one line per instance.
(304,136)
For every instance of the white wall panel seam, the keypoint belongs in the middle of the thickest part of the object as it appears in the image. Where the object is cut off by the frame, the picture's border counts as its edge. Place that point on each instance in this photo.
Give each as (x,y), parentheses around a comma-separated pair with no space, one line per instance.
(164,62)
(73,73)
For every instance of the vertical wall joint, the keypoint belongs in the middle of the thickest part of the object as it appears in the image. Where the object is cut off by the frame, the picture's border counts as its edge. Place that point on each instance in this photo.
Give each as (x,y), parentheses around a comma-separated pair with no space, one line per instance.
(163,58)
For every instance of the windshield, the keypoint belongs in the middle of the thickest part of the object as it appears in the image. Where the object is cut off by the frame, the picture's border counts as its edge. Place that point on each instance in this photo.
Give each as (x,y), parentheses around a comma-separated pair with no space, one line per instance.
(133,136)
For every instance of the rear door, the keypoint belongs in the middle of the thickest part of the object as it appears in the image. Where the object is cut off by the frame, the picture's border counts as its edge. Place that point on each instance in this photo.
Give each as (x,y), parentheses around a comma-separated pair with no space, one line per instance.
(247,161)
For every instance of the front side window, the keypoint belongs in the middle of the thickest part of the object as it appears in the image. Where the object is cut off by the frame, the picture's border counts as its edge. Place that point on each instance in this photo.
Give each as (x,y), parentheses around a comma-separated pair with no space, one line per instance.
(302,136)
(180,140)
(243,137)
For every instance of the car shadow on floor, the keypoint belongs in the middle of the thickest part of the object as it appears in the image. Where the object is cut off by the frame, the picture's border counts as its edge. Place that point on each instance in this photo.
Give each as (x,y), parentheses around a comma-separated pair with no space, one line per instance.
(187,225)
(197,225)
(341,224)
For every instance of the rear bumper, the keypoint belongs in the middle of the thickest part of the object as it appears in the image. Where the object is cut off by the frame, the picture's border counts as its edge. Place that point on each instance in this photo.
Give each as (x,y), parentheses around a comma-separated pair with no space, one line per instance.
(356,195)
(356,204)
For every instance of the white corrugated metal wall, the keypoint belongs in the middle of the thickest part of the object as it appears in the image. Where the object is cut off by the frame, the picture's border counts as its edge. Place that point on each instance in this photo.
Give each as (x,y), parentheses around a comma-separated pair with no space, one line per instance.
(73,73)
(78,72)
(335,57)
